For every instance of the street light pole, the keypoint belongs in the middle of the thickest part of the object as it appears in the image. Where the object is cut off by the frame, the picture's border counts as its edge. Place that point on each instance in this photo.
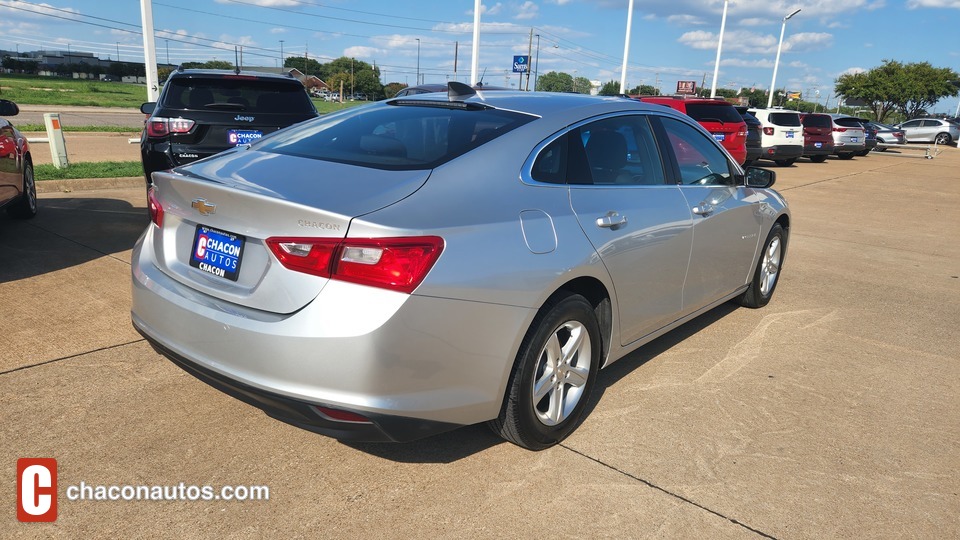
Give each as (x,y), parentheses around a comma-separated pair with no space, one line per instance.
(167,45)
(716,67)
(776,64)
(626,49)
(418,61)
(281,54)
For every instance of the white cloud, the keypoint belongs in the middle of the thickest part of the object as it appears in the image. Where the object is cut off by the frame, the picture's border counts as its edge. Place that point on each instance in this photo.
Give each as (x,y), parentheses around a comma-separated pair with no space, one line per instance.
(527,10)
(363,52)
(278,30)
(916,4)
(685,20)
(487,10)
(853,71)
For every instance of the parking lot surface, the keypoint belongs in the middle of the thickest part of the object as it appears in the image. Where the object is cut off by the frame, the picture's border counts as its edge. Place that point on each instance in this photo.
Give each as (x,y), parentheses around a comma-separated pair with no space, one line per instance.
(830,413)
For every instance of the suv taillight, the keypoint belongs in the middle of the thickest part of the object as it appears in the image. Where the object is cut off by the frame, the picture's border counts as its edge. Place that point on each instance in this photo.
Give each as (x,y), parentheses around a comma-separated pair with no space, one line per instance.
(161,127)
(768,131)
(840,129)
(398,264)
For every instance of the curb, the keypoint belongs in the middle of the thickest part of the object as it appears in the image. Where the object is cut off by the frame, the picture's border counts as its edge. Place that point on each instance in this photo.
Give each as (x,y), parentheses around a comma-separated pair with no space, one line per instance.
(89,184)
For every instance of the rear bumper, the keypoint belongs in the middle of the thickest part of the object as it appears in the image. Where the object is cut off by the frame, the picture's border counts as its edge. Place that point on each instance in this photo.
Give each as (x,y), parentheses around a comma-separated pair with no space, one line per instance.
(381,428)
(848,148)
(779,152)
(810,149)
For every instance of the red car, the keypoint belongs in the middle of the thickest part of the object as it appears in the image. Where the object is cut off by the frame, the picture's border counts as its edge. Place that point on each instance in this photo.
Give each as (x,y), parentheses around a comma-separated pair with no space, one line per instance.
(817,136)
(717,116)
(18,193)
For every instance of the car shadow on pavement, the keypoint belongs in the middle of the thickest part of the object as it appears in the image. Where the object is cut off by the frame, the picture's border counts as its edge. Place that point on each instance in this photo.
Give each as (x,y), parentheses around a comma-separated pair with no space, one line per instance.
(469,440)
(68,232)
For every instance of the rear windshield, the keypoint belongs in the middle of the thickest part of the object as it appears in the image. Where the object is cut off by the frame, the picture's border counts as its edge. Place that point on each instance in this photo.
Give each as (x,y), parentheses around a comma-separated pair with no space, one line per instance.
(703,112)
(817,120)
(785,119)
(848,122)
(395,137)
(245,94)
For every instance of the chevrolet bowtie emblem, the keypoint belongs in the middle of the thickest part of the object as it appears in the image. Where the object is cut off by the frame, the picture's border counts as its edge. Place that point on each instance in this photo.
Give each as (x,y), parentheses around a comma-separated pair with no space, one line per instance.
(204,207)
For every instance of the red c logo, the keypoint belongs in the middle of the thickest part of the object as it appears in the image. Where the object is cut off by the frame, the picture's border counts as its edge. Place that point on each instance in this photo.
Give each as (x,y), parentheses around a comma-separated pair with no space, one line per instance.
(37,489)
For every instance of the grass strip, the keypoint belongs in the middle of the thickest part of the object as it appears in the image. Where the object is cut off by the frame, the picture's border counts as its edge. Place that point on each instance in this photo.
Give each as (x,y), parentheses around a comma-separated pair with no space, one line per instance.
(97,169)
(85,129)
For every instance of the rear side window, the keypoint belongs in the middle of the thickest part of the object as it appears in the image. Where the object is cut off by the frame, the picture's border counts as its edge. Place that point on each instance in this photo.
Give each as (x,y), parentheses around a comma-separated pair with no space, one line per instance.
(816,120)
(395,137)
(242,94)
(703,112)
(785,119)
(848,122)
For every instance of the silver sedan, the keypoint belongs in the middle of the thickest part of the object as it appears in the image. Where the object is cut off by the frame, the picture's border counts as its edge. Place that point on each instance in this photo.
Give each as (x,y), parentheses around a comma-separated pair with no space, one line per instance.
(428,262)
(932,130)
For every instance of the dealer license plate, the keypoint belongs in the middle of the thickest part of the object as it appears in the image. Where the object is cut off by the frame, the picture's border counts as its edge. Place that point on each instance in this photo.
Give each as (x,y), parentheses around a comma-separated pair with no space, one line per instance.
(237,137)
(719,136)
(217,252)
(854,139)
(818,145)
(790,134)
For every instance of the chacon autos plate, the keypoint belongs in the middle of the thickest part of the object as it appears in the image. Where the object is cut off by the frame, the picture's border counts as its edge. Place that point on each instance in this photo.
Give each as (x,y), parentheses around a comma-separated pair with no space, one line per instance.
(237,137)
(217,252)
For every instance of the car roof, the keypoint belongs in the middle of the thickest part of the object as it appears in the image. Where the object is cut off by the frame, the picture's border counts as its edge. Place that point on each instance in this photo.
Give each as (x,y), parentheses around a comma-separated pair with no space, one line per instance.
(544,103)
(229,73)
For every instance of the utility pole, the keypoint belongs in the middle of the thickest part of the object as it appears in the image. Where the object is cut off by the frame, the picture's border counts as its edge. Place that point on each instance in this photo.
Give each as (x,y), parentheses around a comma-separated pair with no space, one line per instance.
(456,54)
(529,50)
(149,49)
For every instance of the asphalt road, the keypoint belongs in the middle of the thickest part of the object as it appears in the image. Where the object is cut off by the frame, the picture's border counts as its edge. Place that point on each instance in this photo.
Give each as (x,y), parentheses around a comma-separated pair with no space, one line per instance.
(831,413)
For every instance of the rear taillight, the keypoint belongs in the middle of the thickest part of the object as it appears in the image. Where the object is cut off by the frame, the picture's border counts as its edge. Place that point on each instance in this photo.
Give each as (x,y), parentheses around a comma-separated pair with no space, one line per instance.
(155,208)
(398,264)
(341,416)
(161,127)
(768,131)
(742,133)
(840,129)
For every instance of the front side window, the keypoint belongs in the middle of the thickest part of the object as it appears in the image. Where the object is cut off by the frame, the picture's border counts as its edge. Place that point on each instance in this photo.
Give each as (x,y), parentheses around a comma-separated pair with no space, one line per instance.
(701,162)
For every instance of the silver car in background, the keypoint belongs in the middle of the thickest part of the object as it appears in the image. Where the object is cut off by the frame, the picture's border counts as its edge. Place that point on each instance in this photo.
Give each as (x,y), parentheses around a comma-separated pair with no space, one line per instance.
(932,130)
(433,261)
(849,137)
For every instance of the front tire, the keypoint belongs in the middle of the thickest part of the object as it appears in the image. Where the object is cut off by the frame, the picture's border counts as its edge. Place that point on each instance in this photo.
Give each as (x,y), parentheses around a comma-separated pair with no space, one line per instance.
(818,159)
(26,206)
(555,371)
(767,274)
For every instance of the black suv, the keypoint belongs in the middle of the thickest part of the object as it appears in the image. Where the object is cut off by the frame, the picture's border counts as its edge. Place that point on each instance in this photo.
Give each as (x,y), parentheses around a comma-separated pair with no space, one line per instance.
(754,139)
(203,112)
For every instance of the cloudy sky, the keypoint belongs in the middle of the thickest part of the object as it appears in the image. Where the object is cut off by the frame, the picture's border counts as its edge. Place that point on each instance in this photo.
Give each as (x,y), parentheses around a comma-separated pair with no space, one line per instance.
(671,39)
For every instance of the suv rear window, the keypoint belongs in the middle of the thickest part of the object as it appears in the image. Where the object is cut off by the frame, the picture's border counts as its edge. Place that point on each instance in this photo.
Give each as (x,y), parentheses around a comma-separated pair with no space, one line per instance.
(703,112)
(242,93)
(817,120)
(785,119)
(396,137)
(848,122)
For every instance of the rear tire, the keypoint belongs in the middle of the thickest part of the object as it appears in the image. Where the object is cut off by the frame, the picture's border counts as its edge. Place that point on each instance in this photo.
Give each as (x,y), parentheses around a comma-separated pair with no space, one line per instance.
(818,159)
(864,153)
(785,162)
(848,155)
(767,274)
(26,206)
(555,370)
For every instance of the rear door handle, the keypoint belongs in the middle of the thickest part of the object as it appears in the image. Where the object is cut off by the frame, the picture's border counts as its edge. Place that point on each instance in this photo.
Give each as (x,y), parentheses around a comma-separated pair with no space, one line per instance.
(613,220)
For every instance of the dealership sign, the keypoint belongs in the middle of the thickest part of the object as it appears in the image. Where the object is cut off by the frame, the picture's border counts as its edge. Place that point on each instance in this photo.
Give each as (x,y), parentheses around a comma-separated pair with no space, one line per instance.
(686,87)
(521,64)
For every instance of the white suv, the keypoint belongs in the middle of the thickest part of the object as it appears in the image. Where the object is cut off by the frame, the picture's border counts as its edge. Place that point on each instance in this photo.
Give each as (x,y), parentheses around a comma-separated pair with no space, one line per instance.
(782,135)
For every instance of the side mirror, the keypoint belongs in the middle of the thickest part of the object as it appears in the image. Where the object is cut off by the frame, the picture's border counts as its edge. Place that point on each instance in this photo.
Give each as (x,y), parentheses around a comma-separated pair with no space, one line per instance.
(148,108)
(760,178)
(8,108)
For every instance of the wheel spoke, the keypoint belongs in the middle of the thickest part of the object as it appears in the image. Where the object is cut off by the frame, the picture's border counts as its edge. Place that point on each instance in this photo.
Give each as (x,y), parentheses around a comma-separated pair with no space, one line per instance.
(543,385)
(555,412)
(573,344)
(577,376)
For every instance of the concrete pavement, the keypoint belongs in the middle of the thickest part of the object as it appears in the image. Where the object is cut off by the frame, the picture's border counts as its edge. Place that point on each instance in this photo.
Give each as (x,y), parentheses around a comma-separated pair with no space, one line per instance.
(830,413)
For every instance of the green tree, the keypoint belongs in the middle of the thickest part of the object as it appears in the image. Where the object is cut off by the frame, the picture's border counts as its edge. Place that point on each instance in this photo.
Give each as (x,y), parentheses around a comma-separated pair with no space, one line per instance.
(643,90)
(910,89)
(209,64)
(581,85)
(307,66)
(391,89)
(610,88)
(555,82)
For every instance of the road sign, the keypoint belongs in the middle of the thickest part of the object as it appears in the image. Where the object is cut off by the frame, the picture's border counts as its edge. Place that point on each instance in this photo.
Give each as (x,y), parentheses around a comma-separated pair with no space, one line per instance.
(521,64)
